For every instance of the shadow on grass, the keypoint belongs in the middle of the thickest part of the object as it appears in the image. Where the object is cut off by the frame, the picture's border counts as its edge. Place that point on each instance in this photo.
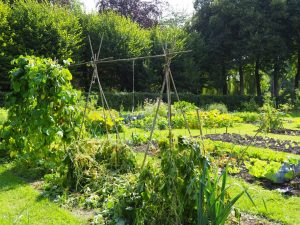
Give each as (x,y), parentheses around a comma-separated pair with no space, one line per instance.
(8,180)
(295,114)
(13,175)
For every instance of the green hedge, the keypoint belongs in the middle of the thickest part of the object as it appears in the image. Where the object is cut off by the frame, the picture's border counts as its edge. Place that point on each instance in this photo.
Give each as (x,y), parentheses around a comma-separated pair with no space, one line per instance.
(115,100)
(125,99)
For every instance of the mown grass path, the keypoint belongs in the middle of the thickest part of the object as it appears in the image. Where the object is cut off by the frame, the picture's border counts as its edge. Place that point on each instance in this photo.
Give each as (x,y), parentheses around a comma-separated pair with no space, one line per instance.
(21,204)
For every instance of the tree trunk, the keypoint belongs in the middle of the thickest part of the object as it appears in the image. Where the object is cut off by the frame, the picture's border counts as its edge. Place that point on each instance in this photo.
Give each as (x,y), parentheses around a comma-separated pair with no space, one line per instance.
(257,78)
(224,79)
(242,86)
(297,77)
(276,79)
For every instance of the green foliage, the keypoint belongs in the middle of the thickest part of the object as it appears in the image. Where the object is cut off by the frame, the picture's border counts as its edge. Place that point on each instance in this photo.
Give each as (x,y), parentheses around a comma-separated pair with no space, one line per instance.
(43,116)
(250,106)
(297,99)
(248,117)
(209,119)
(271,119)
(138,139)
(117,157)
(213,206)
(6,37)
(263,169)
(85,161)
(101,172)
(243,154)
(183,106)
(3,116)
(150,107)
(172,38)
(100,122)
(218,106)
(176,192)
(40,27)
(122,38)
(233,102)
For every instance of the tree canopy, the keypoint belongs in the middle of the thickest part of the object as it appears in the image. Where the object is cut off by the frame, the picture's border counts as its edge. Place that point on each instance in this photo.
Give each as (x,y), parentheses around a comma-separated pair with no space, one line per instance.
(244,47)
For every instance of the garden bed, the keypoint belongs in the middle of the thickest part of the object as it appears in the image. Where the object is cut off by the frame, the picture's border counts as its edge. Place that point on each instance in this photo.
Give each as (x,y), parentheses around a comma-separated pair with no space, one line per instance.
(287,132)
(258,141)
(288,188)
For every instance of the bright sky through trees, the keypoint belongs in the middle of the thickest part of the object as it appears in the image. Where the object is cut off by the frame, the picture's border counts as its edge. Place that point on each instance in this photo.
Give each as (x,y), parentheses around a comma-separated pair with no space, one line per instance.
(178,5)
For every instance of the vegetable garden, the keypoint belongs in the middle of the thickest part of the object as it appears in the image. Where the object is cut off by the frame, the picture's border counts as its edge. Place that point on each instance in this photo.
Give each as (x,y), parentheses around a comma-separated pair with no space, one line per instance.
(145,166)
(74,151)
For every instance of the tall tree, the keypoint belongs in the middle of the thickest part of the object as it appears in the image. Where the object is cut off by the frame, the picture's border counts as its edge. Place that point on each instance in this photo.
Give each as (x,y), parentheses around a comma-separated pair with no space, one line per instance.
(213,20)
(293,9)
(146,13)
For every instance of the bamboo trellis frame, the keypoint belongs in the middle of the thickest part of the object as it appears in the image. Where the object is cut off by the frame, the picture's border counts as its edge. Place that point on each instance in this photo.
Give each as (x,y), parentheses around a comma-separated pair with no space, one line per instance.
(168,81)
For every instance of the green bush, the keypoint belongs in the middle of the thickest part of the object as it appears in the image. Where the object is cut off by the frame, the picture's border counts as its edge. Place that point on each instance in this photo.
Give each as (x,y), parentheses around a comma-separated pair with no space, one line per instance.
(271,119)
(43,116)
(218,106)
(250,106)
(40,27)
(248,117)
(183,106)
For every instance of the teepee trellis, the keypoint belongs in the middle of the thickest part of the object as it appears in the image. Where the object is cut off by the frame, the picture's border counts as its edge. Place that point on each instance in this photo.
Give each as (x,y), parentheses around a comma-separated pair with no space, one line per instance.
(168,82)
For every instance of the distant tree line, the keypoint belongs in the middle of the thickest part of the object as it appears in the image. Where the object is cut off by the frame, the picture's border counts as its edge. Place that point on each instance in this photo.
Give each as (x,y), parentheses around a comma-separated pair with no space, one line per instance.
(253,43)
(240,47)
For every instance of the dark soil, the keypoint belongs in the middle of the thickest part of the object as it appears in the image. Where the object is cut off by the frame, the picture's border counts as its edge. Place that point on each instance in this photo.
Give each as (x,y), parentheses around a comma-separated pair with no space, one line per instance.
(153,150)
(248,219)
(258,141)
(288,188)
(287,132)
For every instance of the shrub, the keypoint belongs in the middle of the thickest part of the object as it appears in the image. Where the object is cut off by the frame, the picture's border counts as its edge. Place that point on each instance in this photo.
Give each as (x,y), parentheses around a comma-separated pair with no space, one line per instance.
(184,106)
(271,119)
(218,106)
(250,106)
(248,117)
(150,107)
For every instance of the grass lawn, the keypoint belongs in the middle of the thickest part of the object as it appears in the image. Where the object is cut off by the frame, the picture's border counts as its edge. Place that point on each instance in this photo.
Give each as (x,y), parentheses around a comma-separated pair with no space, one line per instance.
(280,208)
(242,129)
(21,204)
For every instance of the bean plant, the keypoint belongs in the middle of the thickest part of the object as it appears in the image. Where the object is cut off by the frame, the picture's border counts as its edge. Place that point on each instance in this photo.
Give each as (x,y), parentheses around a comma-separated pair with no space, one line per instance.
(43,114)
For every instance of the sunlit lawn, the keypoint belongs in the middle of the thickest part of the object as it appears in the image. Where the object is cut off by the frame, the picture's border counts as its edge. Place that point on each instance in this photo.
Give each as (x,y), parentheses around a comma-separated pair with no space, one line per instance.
(21,204)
